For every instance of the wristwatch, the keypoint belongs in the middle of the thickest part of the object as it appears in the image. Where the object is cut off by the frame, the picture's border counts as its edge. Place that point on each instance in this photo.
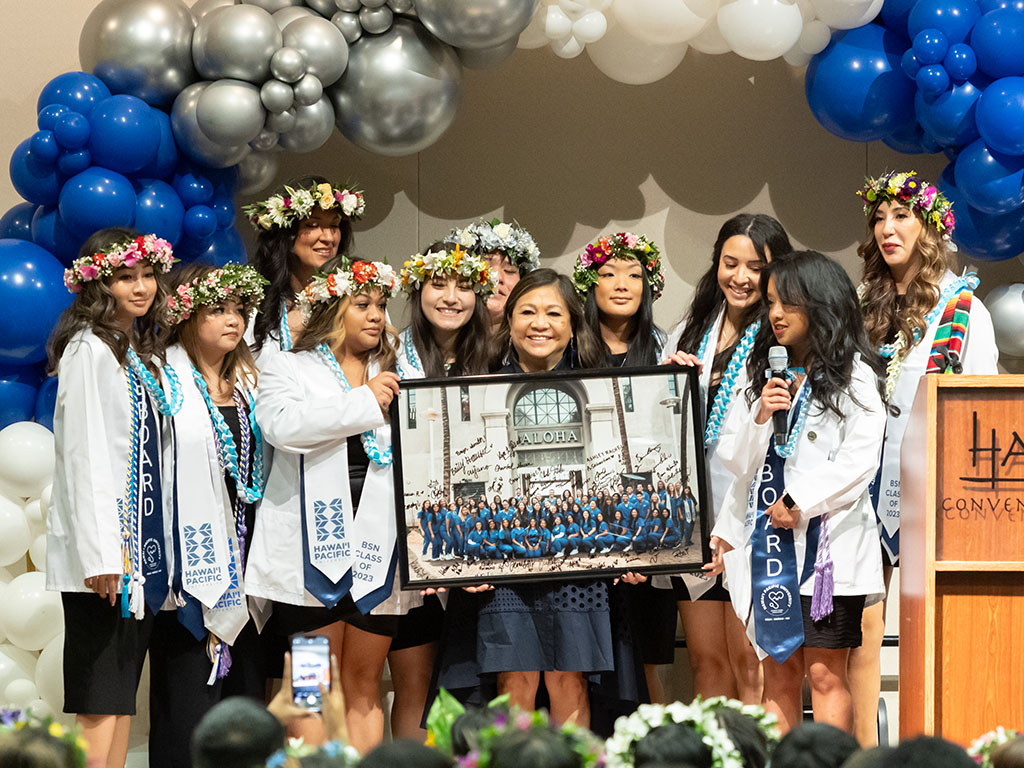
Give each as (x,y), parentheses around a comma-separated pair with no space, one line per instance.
(787,500)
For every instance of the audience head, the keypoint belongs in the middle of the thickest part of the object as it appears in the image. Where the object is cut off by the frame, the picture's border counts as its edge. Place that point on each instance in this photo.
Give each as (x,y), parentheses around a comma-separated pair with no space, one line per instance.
(814,745)
(746,735)
(929,752)
(876,757)
(533,748)
(672,744)
(236,733)
(34,746)
(405,753)
(1010,754)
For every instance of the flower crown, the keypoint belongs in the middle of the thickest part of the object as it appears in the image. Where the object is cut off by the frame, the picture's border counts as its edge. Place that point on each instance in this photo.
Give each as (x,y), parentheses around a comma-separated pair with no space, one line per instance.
(16,720)
(908,189)
(510,239)
(292,205)
(290,755)
(420,268)
(700,715)
(362,277)
(150,248)
(621,245)
(983,746)
(232,281)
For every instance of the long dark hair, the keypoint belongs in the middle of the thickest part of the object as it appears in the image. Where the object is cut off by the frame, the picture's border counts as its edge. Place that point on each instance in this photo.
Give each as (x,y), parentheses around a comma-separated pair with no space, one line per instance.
(820,286)
(645,338)
(472,344)
(273,250)
(769,238)
(587,344)
(95,308)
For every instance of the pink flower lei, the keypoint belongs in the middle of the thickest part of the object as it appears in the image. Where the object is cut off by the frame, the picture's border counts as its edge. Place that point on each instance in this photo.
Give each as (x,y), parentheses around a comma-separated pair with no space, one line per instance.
(150,248)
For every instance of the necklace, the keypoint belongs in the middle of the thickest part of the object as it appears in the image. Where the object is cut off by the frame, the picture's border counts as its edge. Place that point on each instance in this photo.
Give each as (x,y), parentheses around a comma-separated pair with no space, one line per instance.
(410,353)
(785,451)
(723,397)
(285,331)
(129,505)
(167,408)
(369,440)
(227,454)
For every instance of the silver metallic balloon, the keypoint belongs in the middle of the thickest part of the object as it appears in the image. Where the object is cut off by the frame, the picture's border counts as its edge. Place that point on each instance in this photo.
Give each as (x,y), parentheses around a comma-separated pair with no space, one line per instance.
(349,6)
(373,3)
(1006,305)
(376,20)
(236,41)
(400,6)
(203,7)
(266,141)
(475,23)
(349,25)
(400,91)
(256,172)
(140,47)
(286,16)
(308,90)
(325,8)
(287,65)
(322,46)
(230,112)
(273,6)
(313,127)
(190,138)
(283,122)
(276,96)
(487,58)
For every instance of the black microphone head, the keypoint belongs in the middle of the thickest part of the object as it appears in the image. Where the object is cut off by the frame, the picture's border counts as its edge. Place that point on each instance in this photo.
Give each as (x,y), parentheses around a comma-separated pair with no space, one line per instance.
(778,358)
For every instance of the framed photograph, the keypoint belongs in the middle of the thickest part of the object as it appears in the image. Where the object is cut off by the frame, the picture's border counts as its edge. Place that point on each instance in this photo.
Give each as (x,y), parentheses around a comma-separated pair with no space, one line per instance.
(549,476)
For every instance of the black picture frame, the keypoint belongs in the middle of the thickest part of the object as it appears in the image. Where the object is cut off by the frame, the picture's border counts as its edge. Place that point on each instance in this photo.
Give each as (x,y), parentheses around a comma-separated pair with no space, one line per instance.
(531,435)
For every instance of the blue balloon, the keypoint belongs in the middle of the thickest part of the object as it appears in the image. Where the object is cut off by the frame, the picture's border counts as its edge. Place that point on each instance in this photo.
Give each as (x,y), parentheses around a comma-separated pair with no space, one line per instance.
(932,81)
(45,147)
(33,180)
(954,18)
(125,135)
(910,140)
(193,189)
(960,62)
(48,116)
(951,117)
(991,5)
(17,222)
(930,46)
(990,181)
(159,211)
(78,90)
(50,234)
(46,402)
(19,385)
(95,199)
(856,88)
(166,158)
(72,130)
(1000,115)
(894,15)
(72,162)
(226,246)
(224,208)
(998,42)
(981,235)
(32,296)
(909,63)
(200,222)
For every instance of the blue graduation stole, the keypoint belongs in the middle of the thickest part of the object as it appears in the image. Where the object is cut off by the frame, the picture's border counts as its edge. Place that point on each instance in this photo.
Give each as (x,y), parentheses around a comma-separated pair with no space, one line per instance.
(316,583)
(153,559)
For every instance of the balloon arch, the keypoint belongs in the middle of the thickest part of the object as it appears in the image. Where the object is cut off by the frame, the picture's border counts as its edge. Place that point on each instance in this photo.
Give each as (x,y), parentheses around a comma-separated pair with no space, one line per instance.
(179,109)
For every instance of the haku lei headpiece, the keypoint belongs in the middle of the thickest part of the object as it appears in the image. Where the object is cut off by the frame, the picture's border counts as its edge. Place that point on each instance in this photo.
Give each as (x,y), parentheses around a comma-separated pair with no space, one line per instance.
(16,720)
(292,205)
(232,281)
(906,188)
(364,276)
(981,748)
(621,245)
(149,248)
(296,749)
(700,715)
(509,239)
(421,267)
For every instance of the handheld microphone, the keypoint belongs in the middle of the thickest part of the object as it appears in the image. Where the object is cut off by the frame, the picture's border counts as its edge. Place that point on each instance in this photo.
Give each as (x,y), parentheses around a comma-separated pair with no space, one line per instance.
(778,361)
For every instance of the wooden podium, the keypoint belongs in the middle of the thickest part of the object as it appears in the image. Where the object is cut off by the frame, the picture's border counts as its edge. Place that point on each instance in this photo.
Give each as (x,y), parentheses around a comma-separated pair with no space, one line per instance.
(962,558)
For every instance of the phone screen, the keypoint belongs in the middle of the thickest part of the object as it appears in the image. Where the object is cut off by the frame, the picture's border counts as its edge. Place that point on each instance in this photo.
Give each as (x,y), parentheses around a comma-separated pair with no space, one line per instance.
(311,666)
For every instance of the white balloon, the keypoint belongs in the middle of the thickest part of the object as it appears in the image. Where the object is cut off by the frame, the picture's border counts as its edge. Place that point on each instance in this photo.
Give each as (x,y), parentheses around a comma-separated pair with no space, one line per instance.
(26,459)
(557,25)
(1006,305)
(34,516)
(710,40)
(49,673)
(32,616)
(663,22)
(624,57)
(760,30)
(44,500)
(796,57)
(815,37)
(15,664)
(40,709)
(846,14)
(15,535)
(20,693)
(567,48)
(37,552)
(590,27)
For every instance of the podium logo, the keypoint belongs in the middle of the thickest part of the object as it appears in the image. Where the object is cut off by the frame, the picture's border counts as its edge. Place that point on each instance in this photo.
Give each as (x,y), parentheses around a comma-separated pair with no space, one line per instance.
(329,520)
(199,545)
(998,458)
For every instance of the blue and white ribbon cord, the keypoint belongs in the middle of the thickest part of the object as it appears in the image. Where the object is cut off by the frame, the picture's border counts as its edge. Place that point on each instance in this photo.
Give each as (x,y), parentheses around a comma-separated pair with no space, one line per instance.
(410,354)
(785,451)
(285,331)
(968,280)
(373,451)
(723,397)
(153,386)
